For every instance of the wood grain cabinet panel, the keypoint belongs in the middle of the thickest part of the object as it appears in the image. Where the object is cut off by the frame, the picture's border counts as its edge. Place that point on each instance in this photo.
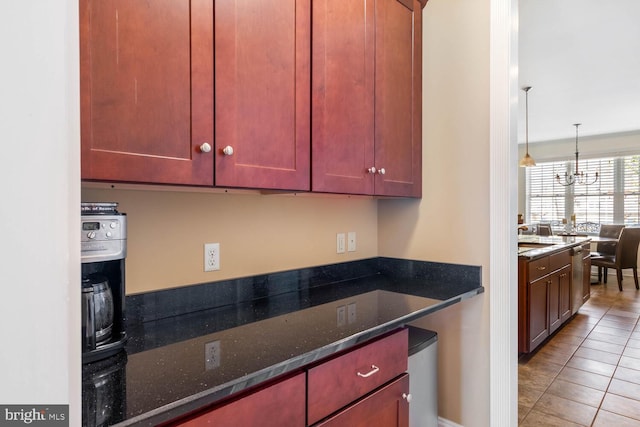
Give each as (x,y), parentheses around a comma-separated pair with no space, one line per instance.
(336,383)
(277,405)
(386,407)
(367,97)
(262,93)
(544,298)
(146,83)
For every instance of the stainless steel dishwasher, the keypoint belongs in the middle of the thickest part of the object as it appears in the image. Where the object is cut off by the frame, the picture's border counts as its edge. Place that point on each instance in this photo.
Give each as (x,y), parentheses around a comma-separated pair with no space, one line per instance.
(576,278)
(423,377)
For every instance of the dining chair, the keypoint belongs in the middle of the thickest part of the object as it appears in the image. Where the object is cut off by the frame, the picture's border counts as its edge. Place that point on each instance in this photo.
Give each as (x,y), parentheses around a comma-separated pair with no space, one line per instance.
(626,256)
(607,248)
(544,230)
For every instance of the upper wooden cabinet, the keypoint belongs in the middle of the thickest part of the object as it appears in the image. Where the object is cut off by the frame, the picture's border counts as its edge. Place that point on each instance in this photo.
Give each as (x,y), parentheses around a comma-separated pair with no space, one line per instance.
(146,88)
(262,95)
(366,97)
(227,93)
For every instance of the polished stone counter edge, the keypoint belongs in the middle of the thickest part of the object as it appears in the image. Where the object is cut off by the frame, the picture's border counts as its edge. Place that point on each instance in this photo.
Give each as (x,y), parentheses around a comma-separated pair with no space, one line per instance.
(535,253)
(209,397)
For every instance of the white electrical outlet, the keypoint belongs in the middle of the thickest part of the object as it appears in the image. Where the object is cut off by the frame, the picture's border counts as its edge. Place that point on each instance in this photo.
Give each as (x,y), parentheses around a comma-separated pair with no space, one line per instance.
(351,241)
(212,355)
(211,256)
(340,243)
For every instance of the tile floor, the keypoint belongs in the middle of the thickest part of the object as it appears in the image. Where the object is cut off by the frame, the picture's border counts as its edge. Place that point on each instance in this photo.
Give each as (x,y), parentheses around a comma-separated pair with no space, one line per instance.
(588,373)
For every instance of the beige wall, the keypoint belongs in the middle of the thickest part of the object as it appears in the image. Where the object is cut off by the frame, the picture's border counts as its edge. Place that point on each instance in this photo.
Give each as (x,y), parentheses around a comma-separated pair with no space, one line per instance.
(257,233)
(450,223)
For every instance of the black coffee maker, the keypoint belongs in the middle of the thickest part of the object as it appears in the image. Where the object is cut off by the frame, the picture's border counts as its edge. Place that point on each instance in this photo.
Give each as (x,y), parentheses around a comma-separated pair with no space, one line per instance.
(103,252)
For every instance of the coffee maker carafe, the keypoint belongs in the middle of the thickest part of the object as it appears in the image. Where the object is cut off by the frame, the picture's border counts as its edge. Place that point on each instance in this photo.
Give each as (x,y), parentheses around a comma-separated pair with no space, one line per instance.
(103,253)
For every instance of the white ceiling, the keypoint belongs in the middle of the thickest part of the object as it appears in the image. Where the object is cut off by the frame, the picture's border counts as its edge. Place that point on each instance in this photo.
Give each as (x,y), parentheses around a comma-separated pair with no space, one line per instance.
(582,60)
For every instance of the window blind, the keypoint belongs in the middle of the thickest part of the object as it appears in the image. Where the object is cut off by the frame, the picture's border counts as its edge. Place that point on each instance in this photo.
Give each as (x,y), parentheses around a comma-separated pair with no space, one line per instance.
(613,198)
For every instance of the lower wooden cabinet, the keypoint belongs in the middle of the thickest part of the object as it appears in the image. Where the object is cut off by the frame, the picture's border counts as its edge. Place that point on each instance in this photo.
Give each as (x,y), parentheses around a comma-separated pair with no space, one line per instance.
(279,405)
(544,298)
(386,407)
(338,382)
(365,386)
(586,272)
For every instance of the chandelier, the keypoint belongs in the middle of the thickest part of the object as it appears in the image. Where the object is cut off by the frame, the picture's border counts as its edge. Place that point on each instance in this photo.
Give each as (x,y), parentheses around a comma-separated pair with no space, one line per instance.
(578,177)
(527,160)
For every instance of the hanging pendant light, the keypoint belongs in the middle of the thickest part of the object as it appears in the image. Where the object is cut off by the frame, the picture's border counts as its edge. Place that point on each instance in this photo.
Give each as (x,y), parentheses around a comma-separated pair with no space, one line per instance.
(527,160)
(578,177)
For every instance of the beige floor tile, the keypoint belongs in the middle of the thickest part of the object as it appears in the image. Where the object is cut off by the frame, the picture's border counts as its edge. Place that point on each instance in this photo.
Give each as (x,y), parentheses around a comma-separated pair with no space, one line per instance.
(567,339)
(633,343)
(576,392)
(522,412)
(629,362)
(541,366)
(589,379)
(599,355)
(591,366)
(539,419)
(621,406)
(625,326)
(566,409)
(611,331)
(604,346)
(632,352)
(614,339)
(627,374)
(609,419)
(528,395)
(624,388)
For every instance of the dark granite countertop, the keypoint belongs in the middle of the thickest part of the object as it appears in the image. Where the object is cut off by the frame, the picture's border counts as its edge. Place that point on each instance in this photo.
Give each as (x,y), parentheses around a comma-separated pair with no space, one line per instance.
(165,373)
(532,247)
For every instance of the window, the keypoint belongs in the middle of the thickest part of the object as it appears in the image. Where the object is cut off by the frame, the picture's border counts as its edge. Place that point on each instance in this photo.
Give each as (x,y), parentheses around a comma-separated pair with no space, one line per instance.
(613,198)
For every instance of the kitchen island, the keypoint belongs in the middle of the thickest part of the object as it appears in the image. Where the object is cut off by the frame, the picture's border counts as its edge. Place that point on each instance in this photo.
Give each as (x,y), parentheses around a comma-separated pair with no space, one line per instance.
(553,282)
(179,360)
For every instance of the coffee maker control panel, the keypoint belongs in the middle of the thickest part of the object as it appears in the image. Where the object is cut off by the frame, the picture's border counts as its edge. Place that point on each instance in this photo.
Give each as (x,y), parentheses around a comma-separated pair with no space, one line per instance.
(103,237)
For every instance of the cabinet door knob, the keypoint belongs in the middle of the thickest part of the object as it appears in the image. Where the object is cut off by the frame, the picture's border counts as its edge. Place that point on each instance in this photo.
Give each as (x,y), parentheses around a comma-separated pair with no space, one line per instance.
(381,171)
(228,150)
(407,397)
(205,147)
(373,370)
(372,169)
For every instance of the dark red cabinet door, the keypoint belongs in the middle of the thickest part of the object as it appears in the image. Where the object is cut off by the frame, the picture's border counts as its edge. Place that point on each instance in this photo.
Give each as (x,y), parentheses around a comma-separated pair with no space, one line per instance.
(398,98)
(386,407)
(366,102)
(278,405)
(343,93)
(262,93)
(147,90)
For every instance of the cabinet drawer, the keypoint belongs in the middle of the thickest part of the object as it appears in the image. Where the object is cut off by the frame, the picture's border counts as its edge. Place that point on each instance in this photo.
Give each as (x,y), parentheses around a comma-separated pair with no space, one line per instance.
(274,405)
(538,268)
(336,383)
(559,260)
(386,407)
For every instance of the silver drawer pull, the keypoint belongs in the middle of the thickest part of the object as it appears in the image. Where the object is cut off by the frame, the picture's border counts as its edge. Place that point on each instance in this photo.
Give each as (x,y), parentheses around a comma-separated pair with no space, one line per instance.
(373,370)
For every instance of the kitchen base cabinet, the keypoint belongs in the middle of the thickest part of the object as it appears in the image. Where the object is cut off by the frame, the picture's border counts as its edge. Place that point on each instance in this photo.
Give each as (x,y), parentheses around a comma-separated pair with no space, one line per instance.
(544,298)
(386,407)
(365,386)
(586,272)
(277,405)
